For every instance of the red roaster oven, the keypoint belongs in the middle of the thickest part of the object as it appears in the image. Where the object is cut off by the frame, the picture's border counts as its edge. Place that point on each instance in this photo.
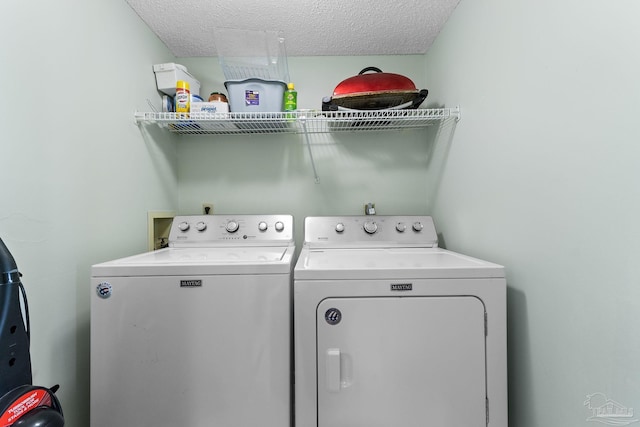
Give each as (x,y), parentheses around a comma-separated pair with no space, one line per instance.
(375,91)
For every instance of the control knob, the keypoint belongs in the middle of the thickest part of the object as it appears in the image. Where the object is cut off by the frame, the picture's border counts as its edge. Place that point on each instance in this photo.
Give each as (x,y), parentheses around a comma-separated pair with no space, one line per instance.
(339,227)
(262,226)
(232,226)
(417,226)
(183,226)
(370,227)
(279,226)
(201,226)
(401,227)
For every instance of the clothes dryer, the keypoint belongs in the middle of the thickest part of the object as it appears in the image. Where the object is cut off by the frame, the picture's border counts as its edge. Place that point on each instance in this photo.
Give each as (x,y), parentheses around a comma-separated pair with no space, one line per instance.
(391,330)
(197,334)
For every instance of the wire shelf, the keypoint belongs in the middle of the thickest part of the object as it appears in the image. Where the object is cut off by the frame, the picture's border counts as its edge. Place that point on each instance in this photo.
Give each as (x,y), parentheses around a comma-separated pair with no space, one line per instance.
(298,121)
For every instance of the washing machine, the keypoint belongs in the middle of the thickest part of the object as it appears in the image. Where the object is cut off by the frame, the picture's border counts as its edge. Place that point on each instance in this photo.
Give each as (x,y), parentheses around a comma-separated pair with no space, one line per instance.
(391,330)
(197,334)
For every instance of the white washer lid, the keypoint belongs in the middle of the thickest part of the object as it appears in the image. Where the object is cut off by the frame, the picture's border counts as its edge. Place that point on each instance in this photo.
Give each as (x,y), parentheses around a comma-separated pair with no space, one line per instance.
(391,263)
(201,261)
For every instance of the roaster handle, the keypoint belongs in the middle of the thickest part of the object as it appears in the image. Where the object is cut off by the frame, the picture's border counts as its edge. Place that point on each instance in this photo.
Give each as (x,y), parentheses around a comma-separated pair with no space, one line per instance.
(422,95)
(328,105)
(364,70)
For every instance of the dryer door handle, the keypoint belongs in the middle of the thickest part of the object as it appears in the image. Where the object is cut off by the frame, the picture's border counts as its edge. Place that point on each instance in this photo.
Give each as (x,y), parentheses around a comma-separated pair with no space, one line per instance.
(332,372)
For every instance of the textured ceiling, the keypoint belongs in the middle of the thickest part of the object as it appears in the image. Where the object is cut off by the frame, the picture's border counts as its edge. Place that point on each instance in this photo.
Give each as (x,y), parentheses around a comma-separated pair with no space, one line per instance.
(311,28)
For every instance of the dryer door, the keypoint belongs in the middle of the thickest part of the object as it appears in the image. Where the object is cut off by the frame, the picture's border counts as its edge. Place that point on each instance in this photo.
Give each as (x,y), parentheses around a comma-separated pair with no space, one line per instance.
(402,361)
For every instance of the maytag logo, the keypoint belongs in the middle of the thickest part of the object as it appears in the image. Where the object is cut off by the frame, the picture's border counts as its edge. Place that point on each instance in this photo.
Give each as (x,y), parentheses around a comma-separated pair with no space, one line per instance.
(190,283)
(402,286)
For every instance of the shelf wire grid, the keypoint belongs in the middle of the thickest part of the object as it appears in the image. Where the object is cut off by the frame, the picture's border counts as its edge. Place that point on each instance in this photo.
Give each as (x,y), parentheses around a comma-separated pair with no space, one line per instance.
(298,121)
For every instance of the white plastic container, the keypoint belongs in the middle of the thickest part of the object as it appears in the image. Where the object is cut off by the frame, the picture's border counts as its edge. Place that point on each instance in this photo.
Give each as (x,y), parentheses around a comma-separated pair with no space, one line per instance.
(169,73)
(245,54)
(255,95)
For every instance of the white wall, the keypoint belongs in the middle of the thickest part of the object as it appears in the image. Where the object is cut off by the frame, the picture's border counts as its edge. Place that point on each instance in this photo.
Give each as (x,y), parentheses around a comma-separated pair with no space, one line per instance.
(542,175)
(78,176)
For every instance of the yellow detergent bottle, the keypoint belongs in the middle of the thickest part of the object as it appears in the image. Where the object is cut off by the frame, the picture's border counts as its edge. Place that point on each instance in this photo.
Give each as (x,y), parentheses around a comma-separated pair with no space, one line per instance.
(290,99)
(183,97)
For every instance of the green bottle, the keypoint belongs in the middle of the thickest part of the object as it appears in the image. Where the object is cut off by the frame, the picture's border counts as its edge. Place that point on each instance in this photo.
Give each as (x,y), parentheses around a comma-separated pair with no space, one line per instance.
(290,99)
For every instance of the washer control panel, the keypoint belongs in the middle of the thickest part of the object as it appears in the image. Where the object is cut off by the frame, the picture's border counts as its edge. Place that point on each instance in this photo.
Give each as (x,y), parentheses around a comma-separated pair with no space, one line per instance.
(206,230)
(370,230)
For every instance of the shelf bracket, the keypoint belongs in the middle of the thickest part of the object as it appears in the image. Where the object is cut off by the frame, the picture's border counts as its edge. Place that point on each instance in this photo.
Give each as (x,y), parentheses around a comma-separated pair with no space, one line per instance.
(303,122)
(456,112)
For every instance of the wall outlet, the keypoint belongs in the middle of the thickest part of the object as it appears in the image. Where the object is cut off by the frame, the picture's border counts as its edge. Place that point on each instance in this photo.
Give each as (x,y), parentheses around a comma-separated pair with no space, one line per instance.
(207,208)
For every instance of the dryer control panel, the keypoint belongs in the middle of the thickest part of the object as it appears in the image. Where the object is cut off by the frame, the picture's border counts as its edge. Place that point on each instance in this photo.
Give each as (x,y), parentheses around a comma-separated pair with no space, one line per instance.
(370,230)
(216,230)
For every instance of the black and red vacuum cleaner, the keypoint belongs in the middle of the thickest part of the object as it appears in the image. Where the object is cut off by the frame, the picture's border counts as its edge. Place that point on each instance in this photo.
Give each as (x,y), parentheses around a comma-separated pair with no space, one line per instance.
(21,403)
